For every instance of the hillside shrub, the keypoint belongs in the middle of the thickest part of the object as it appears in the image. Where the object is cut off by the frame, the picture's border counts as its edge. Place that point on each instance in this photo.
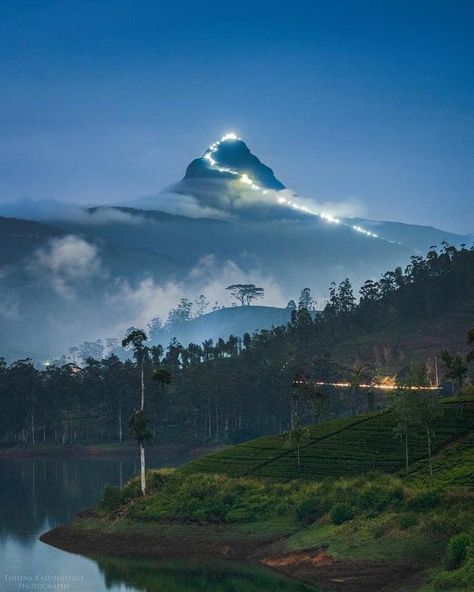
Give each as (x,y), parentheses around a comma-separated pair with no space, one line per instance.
(340,513)
(439,524)
(459,579)
(308,511)
(424,501)
(459,563)
(155,479)
(131,490)
(381,528)
(460,546)
(467,391)
(111,500)
(377,498)
(333,492)
(205,497)
(407,521)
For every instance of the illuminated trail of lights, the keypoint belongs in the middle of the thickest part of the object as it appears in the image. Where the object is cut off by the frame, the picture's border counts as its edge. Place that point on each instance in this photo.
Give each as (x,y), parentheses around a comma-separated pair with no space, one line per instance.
(383,387)
(283,201)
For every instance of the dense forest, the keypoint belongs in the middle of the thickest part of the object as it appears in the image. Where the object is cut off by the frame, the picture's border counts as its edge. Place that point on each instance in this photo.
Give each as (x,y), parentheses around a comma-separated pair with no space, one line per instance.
(235,389)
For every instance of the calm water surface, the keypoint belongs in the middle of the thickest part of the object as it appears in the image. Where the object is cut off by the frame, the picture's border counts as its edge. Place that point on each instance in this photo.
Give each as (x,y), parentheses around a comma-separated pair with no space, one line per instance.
(39,494)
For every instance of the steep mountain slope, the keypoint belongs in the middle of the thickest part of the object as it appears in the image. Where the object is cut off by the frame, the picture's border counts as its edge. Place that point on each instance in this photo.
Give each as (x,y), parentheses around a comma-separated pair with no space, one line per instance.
(228,155)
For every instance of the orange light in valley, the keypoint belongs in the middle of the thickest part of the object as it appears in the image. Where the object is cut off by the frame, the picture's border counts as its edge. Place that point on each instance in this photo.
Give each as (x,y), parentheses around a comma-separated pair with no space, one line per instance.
(388,380)
(386,386)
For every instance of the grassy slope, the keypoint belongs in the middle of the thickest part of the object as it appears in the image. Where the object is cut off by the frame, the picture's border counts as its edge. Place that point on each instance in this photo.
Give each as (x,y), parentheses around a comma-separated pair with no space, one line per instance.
(407,533)
(344,447)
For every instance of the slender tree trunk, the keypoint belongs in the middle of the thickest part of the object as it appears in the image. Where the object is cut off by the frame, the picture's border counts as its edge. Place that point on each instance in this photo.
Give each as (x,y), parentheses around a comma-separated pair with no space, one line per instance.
(34,489)
(120,421)
(33,435)
(142,447)
(298,454)
(209,415)
(406,452)
(428,437)
(142,469)
(142,385)
(33,438)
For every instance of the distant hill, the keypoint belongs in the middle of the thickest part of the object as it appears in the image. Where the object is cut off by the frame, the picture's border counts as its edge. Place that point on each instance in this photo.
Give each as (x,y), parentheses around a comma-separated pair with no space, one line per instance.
(19,238)
(235,320)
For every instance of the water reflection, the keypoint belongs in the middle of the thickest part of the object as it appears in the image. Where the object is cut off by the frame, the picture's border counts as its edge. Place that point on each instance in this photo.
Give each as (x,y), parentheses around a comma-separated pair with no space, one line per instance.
(35,493)
(152,576)
(38,494)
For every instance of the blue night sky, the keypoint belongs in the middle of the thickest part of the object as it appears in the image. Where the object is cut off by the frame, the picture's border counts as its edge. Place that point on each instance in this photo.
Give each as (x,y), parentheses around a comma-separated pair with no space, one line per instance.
(370,101)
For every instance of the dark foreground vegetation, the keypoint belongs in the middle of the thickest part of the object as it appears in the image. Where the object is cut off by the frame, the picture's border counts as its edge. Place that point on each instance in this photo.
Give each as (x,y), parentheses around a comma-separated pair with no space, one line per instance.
(356,520)
(234,390)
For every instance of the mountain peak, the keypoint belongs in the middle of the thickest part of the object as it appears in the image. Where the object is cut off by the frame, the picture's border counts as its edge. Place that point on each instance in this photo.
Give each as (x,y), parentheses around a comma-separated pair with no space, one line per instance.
(229,158)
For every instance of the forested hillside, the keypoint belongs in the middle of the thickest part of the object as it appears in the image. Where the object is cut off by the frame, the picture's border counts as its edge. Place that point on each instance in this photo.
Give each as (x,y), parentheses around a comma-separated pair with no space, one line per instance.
(234,389)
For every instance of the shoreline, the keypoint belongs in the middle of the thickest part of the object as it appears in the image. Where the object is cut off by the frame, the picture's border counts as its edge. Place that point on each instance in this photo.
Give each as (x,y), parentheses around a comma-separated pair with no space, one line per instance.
(100,451)
(92,536)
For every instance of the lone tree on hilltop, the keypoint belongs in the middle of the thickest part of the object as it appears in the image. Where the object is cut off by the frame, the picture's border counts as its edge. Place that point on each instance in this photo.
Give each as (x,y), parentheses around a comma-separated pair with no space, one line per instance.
(245,293)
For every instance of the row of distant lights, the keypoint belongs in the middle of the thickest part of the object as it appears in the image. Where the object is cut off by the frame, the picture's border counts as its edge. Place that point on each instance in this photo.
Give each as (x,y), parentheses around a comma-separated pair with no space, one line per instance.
(281,200)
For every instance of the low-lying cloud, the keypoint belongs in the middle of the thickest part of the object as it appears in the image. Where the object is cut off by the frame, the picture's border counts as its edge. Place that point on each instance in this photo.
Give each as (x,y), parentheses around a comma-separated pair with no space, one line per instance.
(231,199)
(51,211)
(64,293)
(66,261)
(140,303)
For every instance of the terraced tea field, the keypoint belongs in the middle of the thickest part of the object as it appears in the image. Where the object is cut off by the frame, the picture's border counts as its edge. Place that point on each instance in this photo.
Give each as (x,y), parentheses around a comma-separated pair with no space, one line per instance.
(343,447)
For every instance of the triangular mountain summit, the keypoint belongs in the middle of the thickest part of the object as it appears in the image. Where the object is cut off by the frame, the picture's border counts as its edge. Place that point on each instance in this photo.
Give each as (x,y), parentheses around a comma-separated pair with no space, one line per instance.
(229,158)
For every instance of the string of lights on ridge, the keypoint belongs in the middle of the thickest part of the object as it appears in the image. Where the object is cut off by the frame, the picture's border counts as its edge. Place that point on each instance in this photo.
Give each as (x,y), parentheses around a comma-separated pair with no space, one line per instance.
(283,201)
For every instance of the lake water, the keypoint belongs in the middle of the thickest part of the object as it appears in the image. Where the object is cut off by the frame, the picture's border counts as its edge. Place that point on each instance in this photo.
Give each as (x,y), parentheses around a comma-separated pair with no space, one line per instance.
(37,494)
